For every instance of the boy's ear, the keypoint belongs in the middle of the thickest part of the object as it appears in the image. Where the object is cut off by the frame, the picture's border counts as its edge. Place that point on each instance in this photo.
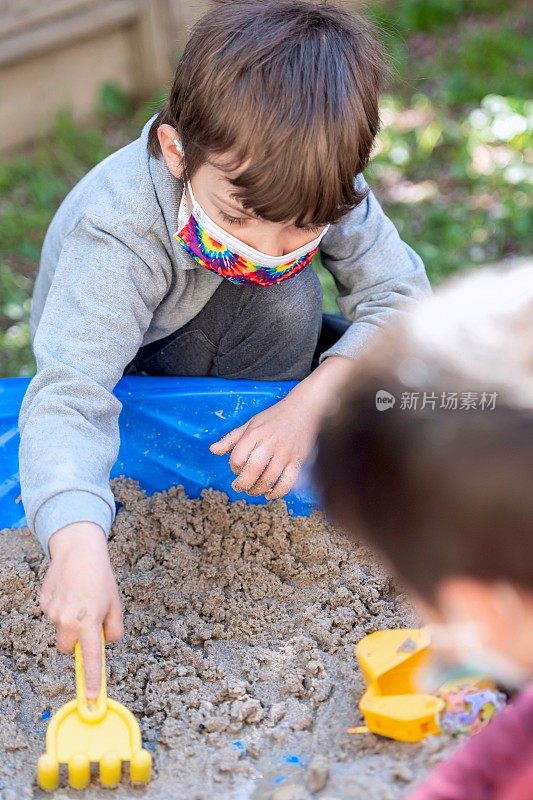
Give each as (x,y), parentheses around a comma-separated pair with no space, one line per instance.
(173,157)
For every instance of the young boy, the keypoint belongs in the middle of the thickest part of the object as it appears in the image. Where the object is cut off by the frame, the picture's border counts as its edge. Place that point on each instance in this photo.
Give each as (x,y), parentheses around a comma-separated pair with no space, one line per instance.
(188,253)
(440,483)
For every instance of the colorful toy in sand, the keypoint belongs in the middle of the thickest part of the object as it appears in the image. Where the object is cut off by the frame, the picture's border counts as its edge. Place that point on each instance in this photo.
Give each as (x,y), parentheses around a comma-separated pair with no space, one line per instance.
(467,709)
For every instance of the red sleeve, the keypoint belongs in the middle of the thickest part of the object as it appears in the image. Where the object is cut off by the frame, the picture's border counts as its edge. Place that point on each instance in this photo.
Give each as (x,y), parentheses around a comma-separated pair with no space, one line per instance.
(485,766)
(521,786)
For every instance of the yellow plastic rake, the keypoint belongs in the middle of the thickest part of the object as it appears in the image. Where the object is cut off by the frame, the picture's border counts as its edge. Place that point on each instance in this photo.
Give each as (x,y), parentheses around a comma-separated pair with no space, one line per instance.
(103,732)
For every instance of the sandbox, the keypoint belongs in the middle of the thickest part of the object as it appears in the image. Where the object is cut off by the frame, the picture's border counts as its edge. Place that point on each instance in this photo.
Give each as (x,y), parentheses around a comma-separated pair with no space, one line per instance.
(237,659)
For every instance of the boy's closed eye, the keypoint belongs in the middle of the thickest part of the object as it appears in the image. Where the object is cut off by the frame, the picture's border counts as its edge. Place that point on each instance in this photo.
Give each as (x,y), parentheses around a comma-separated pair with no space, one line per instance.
(313,229)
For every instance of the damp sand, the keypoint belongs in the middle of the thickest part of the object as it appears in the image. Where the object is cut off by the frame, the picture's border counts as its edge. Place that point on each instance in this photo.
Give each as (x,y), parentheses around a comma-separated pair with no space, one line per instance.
(237,659)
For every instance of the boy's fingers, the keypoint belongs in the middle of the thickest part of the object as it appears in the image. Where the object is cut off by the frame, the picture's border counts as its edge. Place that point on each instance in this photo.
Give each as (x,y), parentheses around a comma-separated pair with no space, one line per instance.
(254,467)
(91,649)
(113,624)
(44,601)
(242,451)
(286,481)
(66,639)
(47,594)
(269,476)
(228,441)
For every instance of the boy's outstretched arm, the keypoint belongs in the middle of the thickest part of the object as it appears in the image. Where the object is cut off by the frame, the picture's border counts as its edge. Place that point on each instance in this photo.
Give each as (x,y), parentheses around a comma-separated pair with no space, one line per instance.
(378,276)
(80,594)
(99,305)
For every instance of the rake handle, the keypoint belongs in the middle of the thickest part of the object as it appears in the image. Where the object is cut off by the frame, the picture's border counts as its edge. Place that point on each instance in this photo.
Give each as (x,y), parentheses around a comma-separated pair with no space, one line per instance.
(90,710)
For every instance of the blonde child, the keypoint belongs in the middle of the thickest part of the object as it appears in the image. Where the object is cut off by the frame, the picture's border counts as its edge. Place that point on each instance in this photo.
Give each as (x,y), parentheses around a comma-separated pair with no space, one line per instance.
(440,483)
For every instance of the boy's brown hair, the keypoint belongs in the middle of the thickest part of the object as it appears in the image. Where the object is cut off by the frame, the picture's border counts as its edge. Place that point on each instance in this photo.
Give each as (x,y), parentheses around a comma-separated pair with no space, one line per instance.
(291,85)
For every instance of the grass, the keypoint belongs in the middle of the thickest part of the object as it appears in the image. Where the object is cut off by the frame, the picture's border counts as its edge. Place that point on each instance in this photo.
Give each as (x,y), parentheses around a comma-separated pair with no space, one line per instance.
(450,166)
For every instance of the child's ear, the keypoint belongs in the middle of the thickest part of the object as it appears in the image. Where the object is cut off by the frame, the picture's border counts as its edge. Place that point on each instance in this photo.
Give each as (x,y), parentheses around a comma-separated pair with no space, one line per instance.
(172,155)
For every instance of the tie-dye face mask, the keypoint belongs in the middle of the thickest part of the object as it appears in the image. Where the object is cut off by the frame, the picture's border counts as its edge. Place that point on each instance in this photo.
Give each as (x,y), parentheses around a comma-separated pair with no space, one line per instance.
(219,251)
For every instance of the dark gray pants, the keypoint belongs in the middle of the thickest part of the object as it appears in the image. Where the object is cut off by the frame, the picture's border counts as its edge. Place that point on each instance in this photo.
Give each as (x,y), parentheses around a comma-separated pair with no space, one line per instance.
(256,332)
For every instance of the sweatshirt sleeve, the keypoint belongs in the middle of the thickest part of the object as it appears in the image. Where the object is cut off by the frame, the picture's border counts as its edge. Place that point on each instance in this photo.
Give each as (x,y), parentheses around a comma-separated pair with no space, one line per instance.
(377,274)
(98,308)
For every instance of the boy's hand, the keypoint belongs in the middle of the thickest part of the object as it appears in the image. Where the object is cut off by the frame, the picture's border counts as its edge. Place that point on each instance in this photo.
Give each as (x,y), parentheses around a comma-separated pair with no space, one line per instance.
(79,595)
(272,446)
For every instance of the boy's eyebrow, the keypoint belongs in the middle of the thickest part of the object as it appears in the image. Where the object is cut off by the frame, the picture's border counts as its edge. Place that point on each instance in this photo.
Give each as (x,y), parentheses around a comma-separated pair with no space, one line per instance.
(241,210)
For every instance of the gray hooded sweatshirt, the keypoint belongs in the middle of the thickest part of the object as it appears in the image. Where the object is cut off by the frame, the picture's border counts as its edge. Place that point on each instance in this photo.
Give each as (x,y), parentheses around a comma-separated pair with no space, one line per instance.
(112,279)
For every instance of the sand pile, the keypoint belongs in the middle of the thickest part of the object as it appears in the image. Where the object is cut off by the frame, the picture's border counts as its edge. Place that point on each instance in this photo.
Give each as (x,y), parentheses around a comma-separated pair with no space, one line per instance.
(237,657)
